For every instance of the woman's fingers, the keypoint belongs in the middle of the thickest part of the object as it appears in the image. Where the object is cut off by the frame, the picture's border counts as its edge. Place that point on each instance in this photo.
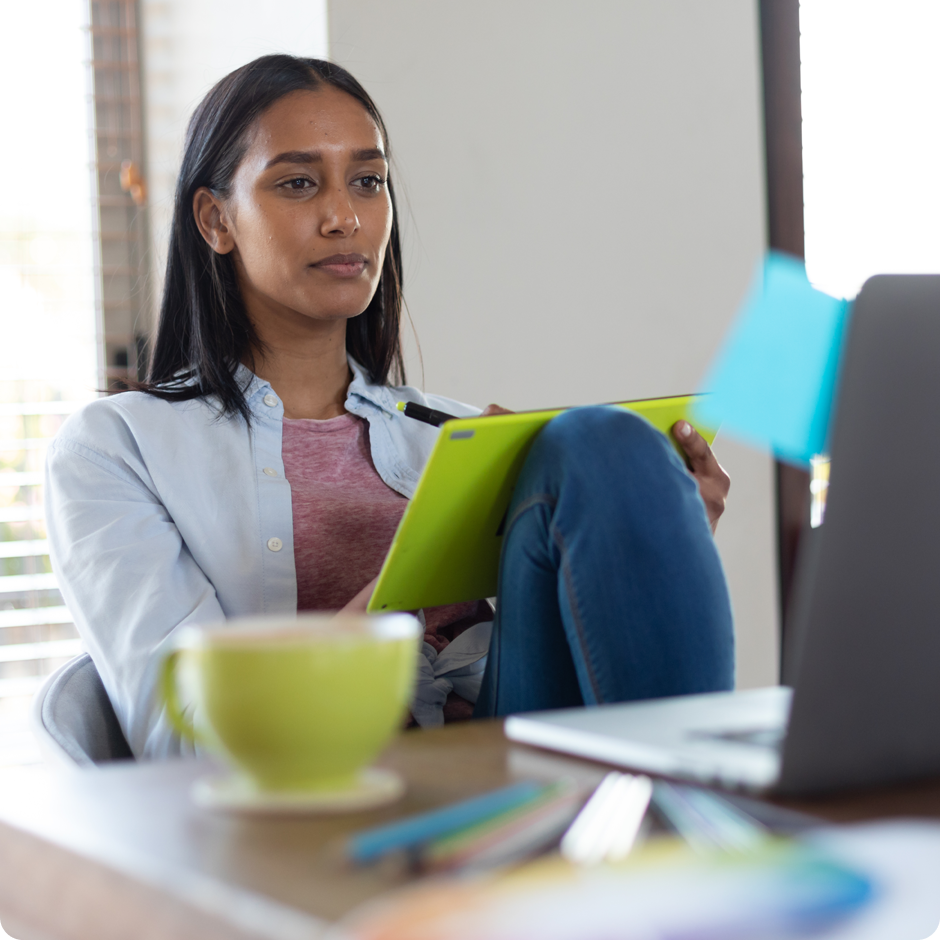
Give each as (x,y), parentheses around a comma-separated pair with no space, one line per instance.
(496,410)
(694,445)
(713,482)
(360,602)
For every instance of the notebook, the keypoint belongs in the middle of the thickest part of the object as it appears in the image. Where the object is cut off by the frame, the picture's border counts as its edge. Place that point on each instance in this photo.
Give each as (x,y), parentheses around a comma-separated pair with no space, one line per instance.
(446,549)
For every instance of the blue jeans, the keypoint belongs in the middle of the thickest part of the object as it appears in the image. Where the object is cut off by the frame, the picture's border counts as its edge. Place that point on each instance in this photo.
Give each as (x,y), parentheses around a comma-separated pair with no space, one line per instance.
(610,585)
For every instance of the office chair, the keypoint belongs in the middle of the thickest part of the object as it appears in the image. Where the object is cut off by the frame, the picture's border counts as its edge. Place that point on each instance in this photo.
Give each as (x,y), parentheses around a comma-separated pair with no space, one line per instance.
(73,720)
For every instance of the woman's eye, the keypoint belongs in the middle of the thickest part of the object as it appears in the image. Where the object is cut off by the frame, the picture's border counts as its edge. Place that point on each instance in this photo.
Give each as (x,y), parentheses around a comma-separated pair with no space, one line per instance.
(299,184)
(371,183)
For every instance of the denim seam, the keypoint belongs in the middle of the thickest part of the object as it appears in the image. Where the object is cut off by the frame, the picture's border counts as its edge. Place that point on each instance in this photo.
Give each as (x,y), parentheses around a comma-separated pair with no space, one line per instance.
(559,540)
(524,506)
(527,504)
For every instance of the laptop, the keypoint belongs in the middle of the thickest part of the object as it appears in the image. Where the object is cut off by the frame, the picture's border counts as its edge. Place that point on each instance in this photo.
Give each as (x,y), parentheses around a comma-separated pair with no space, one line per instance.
(863,652)
(447,545)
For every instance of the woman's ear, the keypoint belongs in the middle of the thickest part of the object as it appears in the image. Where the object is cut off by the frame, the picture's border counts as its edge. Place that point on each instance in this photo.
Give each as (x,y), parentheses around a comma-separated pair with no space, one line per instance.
(212,221)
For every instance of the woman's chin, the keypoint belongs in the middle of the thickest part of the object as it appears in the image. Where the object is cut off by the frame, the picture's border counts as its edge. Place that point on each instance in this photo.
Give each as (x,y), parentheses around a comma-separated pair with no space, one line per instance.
(338,314)
(343,302)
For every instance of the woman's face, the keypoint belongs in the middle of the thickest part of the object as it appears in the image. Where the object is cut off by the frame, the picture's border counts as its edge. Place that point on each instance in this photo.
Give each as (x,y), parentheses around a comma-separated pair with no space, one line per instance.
(309,214)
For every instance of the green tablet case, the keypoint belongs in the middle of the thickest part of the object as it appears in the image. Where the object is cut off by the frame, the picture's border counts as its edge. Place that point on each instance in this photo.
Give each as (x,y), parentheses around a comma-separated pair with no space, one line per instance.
(447,545)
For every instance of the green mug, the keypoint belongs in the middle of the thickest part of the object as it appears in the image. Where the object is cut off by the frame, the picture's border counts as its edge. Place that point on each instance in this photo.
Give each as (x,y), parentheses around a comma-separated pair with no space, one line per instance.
(302,704)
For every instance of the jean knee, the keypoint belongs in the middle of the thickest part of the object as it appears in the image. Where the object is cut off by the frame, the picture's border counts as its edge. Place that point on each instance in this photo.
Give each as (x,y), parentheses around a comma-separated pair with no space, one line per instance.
(584,430)
(598,449)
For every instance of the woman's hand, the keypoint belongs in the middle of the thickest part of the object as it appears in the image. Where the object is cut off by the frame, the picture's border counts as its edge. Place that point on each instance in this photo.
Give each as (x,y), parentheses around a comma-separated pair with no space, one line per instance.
(713,482)
(360,602)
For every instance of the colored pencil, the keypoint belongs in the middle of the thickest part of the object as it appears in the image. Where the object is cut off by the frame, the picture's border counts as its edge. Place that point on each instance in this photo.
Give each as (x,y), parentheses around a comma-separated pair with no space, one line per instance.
(408,834)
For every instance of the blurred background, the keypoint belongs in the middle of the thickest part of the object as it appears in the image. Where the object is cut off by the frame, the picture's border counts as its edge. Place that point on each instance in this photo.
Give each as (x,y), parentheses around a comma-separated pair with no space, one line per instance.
(588,187)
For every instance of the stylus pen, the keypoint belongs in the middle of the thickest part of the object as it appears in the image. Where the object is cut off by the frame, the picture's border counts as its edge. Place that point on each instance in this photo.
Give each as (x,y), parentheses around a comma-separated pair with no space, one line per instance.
(413,831)
(427,415)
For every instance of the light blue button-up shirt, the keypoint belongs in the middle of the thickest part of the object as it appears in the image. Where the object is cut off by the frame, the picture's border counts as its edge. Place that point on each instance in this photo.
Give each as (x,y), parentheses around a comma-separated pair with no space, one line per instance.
(162,514)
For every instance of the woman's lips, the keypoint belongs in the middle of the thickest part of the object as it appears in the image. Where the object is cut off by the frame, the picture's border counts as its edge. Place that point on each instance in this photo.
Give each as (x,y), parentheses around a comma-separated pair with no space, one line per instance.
(343,265)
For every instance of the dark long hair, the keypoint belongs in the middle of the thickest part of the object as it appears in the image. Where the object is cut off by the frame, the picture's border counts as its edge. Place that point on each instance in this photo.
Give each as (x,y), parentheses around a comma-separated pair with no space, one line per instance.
(204,330)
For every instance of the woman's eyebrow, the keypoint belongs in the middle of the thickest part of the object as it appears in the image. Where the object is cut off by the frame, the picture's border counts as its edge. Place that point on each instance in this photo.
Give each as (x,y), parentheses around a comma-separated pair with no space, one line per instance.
(314,156)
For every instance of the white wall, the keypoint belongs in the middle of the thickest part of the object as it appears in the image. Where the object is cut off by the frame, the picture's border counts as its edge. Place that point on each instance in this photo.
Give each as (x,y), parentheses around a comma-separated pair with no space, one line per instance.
(585,205)
(188,46)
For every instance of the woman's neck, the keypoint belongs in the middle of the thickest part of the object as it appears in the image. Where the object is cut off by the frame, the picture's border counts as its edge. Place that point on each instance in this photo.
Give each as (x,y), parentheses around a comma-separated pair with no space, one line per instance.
(306,367)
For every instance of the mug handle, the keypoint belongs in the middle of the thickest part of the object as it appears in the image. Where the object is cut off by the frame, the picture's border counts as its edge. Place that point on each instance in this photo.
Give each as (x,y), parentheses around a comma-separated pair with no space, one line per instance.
(170,695)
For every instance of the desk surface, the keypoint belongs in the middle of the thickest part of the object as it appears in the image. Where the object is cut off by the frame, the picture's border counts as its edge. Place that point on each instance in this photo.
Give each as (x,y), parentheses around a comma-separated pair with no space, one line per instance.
(100,854)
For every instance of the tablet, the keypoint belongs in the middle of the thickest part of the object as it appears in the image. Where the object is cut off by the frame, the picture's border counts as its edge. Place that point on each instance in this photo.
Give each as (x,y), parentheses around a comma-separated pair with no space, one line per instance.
(446,549)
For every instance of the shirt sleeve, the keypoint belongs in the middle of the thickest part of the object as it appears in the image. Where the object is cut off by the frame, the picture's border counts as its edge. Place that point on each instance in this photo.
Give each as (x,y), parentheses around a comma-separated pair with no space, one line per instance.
(128,579)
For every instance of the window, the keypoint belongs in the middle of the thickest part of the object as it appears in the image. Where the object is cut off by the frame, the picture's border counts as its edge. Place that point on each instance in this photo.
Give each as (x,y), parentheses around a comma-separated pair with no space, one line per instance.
(871,146)
(72,295)
(871,139)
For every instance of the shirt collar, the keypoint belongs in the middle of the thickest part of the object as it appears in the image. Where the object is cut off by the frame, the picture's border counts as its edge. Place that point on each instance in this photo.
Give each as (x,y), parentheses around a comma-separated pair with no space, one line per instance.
(378,395)
(252,387)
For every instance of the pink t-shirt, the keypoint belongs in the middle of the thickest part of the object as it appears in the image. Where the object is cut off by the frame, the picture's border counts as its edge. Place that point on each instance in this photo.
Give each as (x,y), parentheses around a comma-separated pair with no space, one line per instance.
(344,514)
(345,517)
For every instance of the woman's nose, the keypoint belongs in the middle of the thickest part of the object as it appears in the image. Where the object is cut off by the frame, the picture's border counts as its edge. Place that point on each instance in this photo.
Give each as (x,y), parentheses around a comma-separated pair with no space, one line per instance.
(340,218)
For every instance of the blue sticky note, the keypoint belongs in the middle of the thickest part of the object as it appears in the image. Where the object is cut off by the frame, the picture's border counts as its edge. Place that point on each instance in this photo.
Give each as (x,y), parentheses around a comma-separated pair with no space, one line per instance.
(773,381)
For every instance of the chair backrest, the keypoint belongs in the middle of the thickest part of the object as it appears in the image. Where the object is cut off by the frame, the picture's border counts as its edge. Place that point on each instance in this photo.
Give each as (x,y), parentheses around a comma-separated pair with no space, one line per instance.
(73,720)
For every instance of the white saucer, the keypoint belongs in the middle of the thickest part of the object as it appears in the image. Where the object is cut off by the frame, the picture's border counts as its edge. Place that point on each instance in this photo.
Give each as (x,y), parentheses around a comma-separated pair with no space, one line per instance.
(375,787)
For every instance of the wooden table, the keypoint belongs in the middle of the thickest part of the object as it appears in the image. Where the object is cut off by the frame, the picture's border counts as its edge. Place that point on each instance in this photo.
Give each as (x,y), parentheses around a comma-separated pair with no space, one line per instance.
(122,852)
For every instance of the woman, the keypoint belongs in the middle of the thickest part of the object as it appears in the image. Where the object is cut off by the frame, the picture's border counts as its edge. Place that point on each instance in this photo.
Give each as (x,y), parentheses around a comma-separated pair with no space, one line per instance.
(264,466)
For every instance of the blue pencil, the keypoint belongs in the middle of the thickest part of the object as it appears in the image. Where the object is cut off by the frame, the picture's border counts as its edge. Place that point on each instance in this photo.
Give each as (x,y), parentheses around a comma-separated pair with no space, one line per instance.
(373,843)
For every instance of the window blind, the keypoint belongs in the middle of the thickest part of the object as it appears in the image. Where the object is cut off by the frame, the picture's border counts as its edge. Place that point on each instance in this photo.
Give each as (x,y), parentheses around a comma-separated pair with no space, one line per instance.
(36,629)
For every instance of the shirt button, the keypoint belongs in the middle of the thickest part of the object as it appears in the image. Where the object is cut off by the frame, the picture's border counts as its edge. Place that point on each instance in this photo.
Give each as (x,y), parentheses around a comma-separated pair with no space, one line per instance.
(269,472)
(275,544)
(270,400)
